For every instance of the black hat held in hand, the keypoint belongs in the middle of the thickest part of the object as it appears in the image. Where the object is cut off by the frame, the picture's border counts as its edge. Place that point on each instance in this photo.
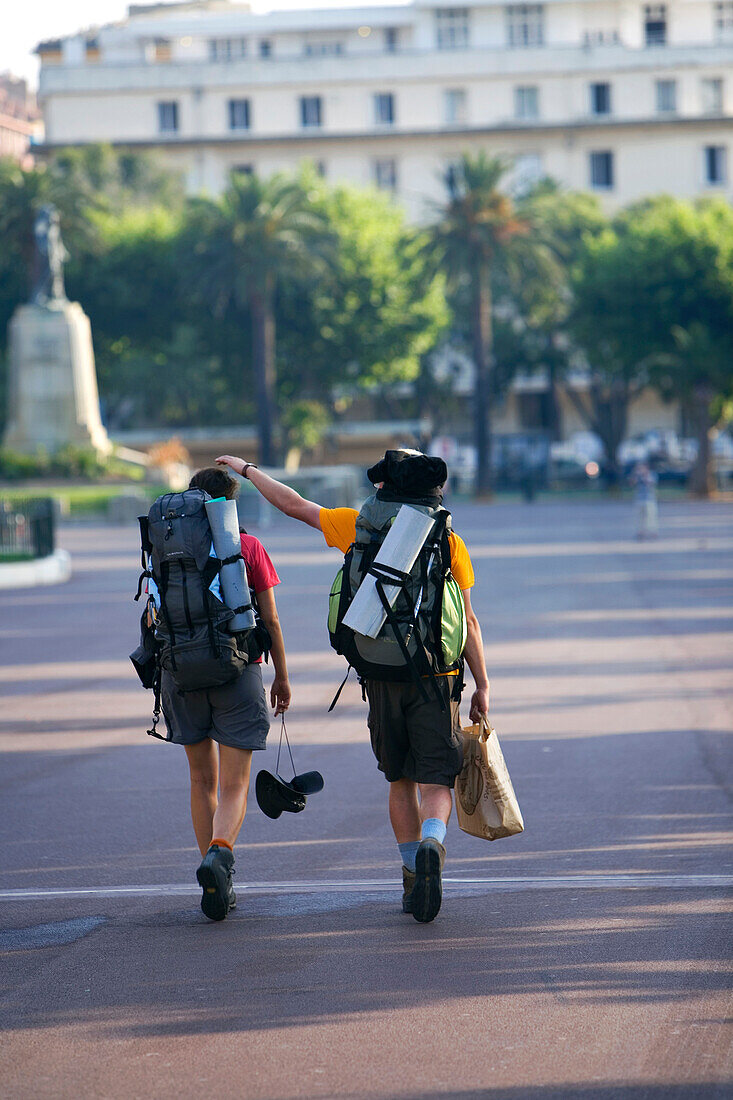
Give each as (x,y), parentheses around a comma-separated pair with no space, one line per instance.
(275,794)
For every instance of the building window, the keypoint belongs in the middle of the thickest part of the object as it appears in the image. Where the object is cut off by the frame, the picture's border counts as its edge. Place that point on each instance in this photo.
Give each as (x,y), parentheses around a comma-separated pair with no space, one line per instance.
(323,49)
(161,49)
(666,97)
(526,101)
(724,21)
(227,49)
(168,117)
(239,116)
(451,28)
(311,112)
(527,171)
(391,39)
(655,24)
(265,47)
(384,113)
(455,106)
(525,25)
(716,164)
(601,170)
(385,173)
(600,99)
(243,169)
(711,93)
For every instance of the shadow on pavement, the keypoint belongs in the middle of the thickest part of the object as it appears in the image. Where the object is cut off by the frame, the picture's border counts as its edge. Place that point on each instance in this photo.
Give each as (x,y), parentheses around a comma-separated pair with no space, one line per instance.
(297,960)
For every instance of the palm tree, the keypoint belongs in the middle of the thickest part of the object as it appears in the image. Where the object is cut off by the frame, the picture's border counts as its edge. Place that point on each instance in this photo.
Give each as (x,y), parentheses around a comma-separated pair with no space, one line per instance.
(259,233)
(474,238)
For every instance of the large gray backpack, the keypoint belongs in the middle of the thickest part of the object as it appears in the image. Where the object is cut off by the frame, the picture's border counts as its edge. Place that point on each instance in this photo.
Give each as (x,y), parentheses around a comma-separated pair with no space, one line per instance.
(192,640)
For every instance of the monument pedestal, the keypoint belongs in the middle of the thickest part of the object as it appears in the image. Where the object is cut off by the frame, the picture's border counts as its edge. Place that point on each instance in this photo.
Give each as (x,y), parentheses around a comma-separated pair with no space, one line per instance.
(53,396)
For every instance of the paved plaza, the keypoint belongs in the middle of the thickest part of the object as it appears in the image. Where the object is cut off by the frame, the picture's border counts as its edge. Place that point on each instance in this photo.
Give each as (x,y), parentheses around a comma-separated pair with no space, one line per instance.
(587,958)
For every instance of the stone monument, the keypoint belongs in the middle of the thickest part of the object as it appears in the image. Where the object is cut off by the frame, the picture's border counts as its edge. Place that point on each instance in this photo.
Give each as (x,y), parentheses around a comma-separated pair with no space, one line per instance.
(53,396)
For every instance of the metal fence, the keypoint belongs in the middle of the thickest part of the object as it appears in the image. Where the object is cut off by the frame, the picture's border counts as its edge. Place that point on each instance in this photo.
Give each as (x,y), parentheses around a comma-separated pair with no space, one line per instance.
(27,528)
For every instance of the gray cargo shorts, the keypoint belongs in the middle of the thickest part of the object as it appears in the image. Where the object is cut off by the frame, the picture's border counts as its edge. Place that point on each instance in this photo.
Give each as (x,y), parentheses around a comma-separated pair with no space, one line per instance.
(234,714)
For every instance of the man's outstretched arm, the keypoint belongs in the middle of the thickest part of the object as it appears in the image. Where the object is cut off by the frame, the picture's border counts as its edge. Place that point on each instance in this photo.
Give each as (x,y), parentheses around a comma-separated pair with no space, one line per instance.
(280,496)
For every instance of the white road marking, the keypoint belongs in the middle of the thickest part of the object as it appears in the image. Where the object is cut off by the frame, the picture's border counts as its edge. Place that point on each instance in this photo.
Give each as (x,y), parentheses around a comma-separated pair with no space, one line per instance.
(481,885)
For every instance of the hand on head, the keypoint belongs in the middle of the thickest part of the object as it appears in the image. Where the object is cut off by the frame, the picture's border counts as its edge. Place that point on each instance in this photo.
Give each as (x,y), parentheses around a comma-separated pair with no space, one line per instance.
(236,464)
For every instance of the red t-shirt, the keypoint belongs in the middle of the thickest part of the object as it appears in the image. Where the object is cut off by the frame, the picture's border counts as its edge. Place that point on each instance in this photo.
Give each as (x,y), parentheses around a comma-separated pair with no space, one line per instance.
(261,573)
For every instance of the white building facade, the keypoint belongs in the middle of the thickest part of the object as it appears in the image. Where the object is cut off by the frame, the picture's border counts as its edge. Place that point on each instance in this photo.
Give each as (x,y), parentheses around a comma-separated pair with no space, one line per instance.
(619,97)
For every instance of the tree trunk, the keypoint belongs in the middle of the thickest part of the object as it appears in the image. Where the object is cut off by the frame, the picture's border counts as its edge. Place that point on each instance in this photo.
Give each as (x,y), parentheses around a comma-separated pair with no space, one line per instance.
(702,480)
(263,364)
(611,408)
(482,339)
(553,401)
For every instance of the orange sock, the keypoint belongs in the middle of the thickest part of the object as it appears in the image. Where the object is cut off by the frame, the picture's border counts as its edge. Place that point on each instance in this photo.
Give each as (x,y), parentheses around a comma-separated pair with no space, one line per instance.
(221,843)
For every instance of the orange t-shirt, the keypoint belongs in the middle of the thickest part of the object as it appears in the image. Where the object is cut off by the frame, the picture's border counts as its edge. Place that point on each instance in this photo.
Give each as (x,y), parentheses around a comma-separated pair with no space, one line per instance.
(339,529)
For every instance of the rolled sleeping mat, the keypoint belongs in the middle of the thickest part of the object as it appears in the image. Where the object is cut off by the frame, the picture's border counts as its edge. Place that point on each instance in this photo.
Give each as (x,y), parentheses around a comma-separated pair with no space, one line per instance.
(224,523)
(405,539)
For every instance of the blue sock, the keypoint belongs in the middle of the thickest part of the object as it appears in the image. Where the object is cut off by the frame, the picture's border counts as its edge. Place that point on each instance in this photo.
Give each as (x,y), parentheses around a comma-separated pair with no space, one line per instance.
(408,852)
(435,828)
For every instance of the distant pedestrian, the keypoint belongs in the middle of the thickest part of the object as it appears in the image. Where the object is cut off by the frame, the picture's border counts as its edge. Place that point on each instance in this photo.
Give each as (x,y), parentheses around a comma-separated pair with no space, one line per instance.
(644,481)
(413,715)
(220,726)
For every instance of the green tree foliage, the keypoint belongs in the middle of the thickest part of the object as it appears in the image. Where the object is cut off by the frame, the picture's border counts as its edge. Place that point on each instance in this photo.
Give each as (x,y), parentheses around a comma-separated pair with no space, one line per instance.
(257,236)
(186,297)
(485,242)
(538,337)
(377,310)
(654,304)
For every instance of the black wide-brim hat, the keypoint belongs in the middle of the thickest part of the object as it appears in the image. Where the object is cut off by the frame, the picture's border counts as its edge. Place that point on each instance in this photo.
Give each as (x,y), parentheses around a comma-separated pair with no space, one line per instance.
(410,473)
(275,794)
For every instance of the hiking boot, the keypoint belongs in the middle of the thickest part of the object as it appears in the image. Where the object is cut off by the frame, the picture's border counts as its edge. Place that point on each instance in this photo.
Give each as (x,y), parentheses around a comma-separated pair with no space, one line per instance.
(408,881)
(215,879)
(427,893)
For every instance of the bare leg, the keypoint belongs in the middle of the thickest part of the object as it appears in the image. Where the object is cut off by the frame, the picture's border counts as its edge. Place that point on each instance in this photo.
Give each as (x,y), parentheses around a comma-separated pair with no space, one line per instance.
(435,801)
(234,769)
(404,814)
(203,763)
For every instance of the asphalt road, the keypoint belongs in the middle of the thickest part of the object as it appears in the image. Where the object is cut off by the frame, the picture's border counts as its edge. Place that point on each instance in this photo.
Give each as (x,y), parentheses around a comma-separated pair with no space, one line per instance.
(589,957)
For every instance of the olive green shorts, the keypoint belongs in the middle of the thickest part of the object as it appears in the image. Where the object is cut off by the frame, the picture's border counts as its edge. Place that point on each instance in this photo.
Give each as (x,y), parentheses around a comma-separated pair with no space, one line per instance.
(414,739)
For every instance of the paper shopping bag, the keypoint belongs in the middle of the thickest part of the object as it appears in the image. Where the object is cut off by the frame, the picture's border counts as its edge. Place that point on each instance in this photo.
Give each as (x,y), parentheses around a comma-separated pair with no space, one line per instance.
(486,804)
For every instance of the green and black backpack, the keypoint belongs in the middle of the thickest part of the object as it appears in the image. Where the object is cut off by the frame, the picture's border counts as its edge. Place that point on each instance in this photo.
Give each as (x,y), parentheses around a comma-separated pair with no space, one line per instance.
(424,634)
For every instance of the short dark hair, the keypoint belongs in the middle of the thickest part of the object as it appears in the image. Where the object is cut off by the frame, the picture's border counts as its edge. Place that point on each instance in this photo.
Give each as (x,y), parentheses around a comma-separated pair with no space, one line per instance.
(215,481)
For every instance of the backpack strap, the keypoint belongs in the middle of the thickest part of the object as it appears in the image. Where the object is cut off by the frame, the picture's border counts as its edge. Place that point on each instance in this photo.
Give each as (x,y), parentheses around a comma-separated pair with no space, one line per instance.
(164,573)
(146,549)
(341,688)
(392,620)
(153,731)
(387,574)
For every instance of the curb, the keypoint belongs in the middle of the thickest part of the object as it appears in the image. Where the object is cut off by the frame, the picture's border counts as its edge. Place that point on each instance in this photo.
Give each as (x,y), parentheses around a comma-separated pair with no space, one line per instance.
(55,569)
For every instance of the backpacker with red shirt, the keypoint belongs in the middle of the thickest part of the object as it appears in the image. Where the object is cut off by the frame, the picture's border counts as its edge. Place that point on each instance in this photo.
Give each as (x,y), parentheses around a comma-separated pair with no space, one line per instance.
(189,637)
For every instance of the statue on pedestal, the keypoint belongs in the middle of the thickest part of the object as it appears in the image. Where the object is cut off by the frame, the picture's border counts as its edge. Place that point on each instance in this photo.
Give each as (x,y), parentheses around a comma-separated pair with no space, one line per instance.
(48,267)
(53,397)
